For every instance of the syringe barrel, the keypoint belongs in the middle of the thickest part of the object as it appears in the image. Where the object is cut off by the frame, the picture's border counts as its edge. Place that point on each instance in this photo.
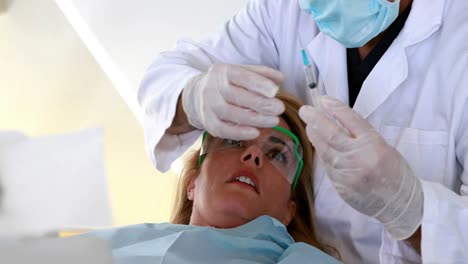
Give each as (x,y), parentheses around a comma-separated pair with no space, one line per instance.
(311,76)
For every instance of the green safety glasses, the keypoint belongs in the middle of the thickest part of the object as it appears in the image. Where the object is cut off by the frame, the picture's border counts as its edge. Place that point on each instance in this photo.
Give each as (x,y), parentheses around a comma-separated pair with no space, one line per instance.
(281,148)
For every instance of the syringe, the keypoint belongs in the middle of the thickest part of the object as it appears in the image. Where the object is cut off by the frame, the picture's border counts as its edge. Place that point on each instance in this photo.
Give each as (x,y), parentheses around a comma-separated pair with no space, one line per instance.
(309,71)
(311,76)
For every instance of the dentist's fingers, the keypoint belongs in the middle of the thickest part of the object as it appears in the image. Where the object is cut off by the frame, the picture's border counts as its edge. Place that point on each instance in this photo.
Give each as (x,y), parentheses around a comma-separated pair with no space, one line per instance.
(252,81)
(319,124)
(247,99)
(347,117)
(276,76)
(246,117)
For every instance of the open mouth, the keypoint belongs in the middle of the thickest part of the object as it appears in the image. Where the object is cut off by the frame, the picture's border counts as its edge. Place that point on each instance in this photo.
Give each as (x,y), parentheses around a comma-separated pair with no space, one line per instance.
(245,180)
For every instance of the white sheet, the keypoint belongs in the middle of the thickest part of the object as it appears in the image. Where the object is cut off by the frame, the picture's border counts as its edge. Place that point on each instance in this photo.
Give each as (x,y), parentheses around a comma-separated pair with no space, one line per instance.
(74,250)
(53,182)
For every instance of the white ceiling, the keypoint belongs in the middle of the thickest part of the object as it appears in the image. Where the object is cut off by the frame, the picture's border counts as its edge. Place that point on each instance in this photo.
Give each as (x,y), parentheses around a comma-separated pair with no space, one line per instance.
(125,35)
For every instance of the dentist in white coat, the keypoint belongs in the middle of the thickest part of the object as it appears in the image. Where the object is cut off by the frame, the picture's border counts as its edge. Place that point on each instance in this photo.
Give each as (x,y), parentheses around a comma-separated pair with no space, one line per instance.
(390,182)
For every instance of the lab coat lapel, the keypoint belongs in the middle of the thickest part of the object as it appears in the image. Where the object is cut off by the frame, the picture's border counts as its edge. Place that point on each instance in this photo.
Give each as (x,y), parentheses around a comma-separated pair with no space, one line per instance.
(392,69)
(330,58)
(387,75)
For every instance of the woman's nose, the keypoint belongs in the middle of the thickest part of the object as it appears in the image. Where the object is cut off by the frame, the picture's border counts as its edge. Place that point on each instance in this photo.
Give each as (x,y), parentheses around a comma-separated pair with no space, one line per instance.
(253,155)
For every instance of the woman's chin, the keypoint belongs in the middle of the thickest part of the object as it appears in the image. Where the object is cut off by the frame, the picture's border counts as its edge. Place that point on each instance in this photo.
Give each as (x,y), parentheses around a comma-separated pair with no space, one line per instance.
(235,213)
(228,222)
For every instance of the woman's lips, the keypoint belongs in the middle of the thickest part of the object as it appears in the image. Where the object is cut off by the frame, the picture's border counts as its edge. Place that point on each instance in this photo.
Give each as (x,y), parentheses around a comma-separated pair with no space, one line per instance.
(244,185)
(248,174)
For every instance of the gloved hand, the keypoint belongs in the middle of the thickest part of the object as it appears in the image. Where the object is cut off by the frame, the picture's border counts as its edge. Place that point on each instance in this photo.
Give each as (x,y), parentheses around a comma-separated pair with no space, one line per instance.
(232,101)
(370,175)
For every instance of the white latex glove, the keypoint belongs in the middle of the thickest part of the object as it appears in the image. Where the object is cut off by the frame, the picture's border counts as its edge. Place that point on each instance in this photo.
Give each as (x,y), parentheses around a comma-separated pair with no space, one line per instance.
(232,101)
(370,175)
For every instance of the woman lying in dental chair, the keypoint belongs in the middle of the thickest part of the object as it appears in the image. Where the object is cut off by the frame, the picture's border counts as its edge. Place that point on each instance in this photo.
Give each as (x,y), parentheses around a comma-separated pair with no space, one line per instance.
(238,202)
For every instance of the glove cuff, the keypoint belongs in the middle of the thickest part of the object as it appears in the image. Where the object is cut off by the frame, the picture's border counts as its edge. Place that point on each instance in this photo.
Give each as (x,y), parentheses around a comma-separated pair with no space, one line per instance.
(188,101)
(403,215)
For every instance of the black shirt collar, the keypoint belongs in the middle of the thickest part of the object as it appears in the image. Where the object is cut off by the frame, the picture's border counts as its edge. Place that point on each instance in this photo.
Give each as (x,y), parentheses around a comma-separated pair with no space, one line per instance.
(359,70)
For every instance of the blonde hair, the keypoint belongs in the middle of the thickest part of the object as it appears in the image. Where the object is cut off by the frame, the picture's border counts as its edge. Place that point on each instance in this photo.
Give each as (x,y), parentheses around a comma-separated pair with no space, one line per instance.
(302,226)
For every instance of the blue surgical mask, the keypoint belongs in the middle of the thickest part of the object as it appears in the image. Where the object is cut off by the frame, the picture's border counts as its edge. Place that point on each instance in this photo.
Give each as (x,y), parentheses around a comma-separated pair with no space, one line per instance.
(353,23)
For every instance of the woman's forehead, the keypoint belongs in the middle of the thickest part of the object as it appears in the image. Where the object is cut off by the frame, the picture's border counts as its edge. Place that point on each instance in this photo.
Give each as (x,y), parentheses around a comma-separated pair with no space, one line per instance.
(268,131)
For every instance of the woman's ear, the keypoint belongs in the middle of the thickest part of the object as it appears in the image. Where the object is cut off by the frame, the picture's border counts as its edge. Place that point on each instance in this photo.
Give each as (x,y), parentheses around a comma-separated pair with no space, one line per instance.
(290,213)
(192,184)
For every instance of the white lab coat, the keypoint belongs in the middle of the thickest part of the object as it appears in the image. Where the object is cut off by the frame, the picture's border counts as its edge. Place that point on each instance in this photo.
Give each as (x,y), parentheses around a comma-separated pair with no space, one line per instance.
(416,97)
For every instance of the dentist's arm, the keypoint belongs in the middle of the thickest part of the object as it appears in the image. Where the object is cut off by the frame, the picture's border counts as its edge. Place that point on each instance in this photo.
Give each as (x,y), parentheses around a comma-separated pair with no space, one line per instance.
(180,124)
(370,175)
(375,179)
(245,40)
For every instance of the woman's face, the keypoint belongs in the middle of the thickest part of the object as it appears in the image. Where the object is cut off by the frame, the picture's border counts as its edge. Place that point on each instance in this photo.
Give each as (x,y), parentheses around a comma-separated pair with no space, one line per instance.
(221,198)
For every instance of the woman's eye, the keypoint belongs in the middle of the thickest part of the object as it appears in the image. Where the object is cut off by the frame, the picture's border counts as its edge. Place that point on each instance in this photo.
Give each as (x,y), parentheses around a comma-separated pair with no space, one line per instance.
(232,143)
(279,156)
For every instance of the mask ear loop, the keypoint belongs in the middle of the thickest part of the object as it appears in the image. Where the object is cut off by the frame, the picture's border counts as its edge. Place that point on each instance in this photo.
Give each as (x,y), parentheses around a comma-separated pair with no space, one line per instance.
(296,153)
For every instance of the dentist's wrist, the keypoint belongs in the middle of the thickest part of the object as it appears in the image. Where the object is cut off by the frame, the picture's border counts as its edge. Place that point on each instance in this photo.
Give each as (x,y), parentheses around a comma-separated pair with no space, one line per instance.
(402,216)
(189,106)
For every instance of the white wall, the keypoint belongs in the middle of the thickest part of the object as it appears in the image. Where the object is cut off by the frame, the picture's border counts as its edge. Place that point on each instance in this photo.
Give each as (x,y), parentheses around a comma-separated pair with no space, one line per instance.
(50,82)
